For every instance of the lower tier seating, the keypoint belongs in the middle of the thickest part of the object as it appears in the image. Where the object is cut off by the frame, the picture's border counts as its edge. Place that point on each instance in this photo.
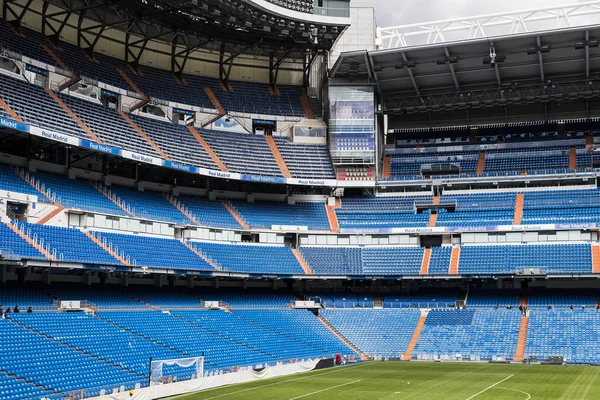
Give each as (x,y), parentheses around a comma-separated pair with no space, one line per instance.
(482,333)
(383,332)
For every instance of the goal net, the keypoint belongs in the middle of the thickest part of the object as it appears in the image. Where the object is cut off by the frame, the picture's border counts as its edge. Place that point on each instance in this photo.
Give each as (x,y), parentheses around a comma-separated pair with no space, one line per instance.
(179,369)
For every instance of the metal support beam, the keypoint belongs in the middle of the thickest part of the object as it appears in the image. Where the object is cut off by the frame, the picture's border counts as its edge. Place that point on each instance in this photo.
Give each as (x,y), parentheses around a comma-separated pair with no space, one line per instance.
(410,73)
(456,84)
(540,58)
(587,54)
(274,64)
(17,10)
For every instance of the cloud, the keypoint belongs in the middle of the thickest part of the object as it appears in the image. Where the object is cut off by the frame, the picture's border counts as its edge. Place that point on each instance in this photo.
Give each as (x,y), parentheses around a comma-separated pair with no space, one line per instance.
(404,12)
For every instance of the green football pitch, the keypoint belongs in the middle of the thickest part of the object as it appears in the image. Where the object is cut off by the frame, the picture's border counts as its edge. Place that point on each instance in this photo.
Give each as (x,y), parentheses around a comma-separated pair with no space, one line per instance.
(427,381)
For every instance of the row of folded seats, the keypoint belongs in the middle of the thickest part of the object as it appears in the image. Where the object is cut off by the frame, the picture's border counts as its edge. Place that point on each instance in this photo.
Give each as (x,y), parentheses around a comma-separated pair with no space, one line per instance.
(66,244)
(176,141)
(563,206)
(481,332)
(552,159)
(56,351)
(248,97)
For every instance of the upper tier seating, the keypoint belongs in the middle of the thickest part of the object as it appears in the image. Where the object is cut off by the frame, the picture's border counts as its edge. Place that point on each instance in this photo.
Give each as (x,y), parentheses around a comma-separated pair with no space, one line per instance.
(439,262)
(482,333)
(333,260)
(383,332)
(248,97)
(243,153)
(404,260)
(150,205)
(571,207)
(572,334)
(156,252)
(209,212)
(78,194)
(265,214)
(498,209)
(71,245)
(250,258)
(554,258)
(175,140)
(365,212)
(36,107)
(296,156)
(12,182)
(108,125)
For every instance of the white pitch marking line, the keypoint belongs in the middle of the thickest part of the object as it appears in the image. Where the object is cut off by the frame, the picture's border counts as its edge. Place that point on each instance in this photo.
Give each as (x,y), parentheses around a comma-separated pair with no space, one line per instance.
(324,390)
(489,387)
(515,390)
(280,382)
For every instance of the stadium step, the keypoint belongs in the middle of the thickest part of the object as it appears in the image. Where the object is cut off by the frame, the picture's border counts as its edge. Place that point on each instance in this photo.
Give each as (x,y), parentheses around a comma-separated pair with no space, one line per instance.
(518,209)
(121,204)
(32,383)
(214,100)
(208,149)
(387,167)
(432,220)
(129,81)
(78,120)
(596,259)
(481,163)
(10,111)
(340,336)
(415,337)
(59,208)
(235,214)
(277,155)
(105,247)
(37,186)
(77,349)
(589,144)
(56,58)
(522,341)
(302,262)
(30,241)
(332,218)
(338,202)
(178,205)
(306,104)
(572,159)
(202,256)
(425,262)
(523,300)
(436,200)
(454,261)
(143,135)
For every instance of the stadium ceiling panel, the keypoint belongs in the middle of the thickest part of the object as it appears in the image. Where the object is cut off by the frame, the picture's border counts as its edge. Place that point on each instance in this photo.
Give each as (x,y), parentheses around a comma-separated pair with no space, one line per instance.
(549,67)
(229,26)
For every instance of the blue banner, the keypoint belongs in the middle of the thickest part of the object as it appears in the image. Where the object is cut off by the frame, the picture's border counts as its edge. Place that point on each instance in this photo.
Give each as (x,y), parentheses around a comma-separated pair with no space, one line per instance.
(18,126)
(266,179)
(100,147)
(180,166)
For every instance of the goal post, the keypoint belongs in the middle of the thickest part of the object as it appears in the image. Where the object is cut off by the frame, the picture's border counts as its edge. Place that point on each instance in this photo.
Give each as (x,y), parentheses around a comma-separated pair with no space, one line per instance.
(178,369)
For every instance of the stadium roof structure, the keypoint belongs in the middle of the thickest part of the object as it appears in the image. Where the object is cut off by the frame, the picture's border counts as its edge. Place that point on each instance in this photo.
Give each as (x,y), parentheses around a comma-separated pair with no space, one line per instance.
(499,68)
(226,27)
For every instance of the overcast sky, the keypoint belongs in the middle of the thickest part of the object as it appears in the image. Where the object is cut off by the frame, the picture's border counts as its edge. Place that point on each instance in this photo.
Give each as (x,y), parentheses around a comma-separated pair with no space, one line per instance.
(403,12)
